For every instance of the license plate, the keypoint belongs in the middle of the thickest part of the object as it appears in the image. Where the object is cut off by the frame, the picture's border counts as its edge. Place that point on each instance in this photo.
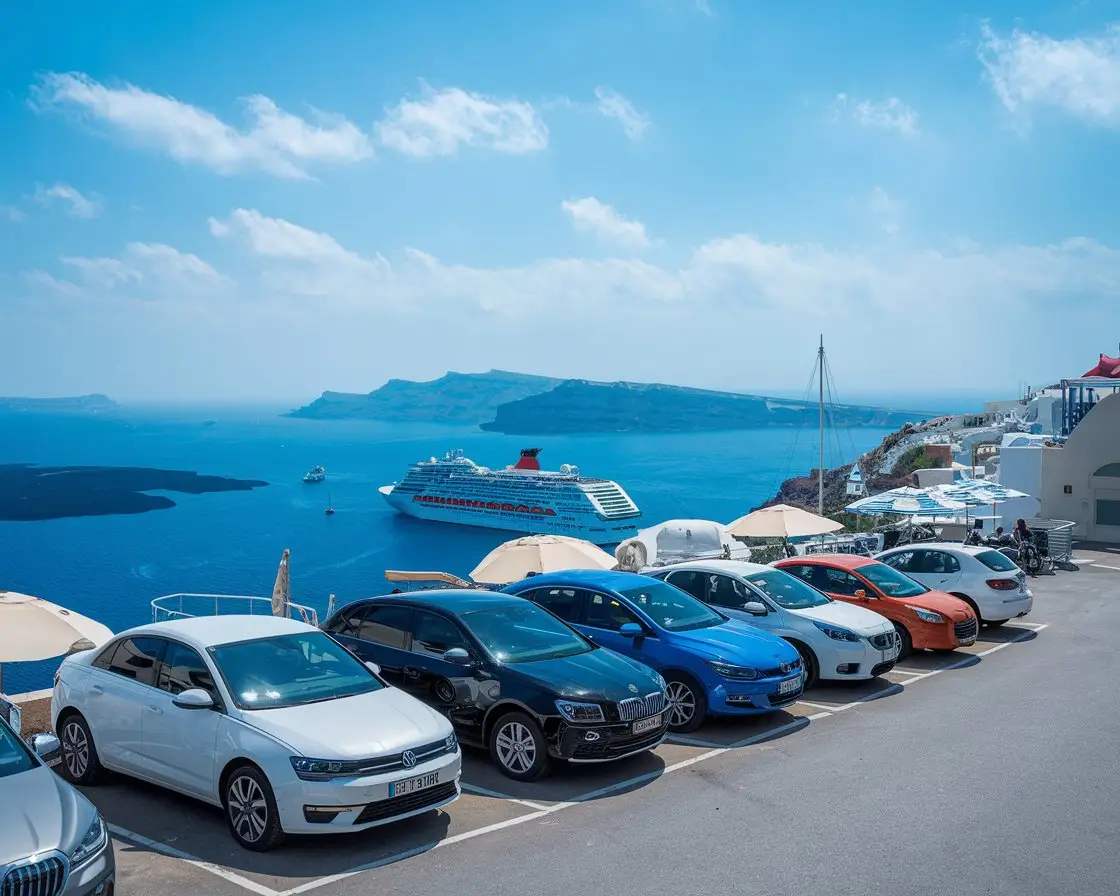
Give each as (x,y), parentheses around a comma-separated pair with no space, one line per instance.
(967,642)
(643,725)
(790,685)
(411,785)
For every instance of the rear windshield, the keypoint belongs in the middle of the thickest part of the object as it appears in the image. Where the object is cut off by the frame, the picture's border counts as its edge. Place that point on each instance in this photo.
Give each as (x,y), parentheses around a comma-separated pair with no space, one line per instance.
(997,561)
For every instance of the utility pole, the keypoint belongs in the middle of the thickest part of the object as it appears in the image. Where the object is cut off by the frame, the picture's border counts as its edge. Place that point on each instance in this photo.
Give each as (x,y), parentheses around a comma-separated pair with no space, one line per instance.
(820,470)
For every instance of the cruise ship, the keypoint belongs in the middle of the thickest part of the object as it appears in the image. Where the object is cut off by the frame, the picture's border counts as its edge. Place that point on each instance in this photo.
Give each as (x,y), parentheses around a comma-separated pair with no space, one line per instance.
(522,498)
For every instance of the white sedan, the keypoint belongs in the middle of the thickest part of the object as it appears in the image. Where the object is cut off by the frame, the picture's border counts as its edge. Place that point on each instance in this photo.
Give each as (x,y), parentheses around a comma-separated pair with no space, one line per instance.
(836,640)
(266,717)
(988,581)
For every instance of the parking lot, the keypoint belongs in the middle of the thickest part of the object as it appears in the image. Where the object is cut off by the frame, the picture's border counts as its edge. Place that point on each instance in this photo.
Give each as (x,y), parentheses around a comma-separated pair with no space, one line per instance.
(166,843)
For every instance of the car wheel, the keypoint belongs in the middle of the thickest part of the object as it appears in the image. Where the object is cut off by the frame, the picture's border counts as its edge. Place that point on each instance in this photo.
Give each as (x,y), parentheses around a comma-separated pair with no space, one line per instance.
(251,809)
(906,643)
(79,755)
(995,623)
(687,704)
(810,664)
(518,747)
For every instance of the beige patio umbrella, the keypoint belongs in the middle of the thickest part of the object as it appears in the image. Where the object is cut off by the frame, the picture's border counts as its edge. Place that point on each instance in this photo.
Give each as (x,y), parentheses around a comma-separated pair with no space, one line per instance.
(282,588)
(35,629)
(781,521)
(512,561)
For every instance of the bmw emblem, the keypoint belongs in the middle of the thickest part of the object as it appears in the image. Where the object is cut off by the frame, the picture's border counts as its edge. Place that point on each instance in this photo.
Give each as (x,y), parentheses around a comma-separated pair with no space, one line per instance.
(408,759)
(633,689)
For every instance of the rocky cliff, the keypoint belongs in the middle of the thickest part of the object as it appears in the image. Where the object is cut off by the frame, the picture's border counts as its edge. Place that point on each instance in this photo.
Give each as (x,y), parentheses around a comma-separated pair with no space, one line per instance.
(86,404)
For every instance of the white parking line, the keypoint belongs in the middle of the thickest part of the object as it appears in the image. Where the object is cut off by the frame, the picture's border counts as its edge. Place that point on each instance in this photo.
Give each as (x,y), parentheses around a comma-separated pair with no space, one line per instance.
(691,742)
(170,851)
(812,705)
(1103,566)
(482,791)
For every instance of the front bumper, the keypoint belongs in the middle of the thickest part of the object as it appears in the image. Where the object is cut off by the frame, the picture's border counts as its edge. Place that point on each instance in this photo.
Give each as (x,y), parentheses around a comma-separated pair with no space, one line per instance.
(856,660)
(356,804)
(96,877)
(604,742)
(744,698)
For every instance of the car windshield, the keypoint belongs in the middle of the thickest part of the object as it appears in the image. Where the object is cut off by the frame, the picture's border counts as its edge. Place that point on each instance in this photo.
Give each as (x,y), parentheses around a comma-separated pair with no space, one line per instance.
(671,608)
(523,633)
(996,561)
(291,670)
(890,581)
(14,756)
(787,591)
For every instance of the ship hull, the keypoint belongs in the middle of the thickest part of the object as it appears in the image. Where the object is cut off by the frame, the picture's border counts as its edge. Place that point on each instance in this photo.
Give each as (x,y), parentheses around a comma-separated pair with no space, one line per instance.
(532,519)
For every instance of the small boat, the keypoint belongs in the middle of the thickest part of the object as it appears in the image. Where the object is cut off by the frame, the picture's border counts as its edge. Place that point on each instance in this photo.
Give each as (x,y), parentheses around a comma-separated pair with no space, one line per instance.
(315,474)
(330,505)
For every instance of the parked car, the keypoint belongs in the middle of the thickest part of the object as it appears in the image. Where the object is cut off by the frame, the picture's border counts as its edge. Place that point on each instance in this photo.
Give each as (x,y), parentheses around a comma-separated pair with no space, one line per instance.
(267,717)
(510,676)
(837,641)
(988,581)
(713,665)
(52,839)
(924,619)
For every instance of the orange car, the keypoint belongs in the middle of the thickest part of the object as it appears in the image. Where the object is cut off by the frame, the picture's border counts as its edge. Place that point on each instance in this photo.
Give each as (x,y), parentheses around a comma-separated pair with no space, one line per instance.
(922,618)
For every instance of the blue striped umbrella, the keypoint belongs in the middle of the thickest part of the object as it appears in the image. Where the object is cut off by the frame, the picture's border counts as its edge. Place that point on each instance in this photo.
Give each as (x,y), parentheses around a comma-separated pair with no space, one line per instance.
(978,492)
(907,501)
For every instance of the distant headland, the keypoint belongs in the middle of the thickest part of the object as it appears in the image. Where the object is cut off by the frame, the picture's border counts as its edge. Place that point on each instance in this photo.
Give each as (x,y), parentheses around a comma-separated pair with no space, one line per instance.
(79,404)
(523,404)
(29,492)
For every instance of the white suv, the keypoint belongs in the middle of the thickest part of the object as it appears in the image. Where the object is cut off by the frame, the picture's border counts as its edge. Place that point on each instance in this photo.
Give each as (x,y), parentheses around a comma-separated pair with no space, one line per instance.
(836,640)
(984,578)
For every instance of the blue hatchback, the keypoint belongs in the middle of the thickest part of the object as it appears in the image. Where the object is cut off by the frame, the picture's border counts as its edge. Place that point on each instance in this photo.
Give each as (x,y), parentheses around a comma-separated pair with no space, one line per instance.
(713,665)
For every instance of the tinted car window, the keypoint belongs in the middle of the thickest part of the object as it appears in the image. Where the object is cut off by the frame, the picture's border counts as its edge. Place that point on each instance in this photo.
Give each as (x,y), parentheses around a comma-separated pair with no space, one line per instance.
(672,608)
(997,561)
(903,561)
(388,625)
(182,669)
(840,582)
(724,591)
(523,633)
(892,582)
(136,658)
(563,602)
(608,613)
(14,756)
(940,563)
(695,583)
(347,622)
(787,591)
(435,634)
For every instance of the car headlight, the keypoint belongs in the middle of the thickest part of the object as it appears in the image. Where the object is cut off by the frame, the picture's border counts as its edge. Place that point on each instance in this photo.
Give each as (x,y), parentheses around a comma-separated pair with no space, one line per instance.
(92,843)
(836,633)
(580,712)
(661,682)
(740,673)
(308,769)
(926,615)
(451,742)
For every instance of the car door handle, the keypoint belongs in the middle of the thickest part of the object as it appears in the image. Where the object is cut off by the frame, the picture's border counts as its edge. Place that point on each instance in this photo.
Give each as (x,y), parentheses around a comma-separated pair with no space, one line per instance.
(410,672)
(155,709)
(96,689)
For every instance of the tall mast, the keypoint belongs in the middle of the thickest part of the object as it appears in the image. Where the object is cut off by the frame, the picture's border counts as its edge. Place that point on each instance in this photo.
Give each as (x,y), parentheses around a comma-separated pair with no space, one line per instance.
(820,468)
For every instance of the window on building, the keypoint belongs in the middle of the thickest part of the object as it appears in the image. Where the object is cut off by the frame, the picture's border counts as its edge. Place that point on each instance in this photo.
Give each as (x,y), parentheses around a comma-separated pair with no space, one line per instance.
(1108,513)
(1110,471)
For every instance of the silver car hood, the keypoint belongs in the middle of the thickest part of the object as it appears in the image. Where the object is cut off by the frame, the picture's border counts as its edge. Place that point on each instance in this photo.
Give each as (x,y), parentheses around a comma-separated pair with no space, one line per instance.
(41,812)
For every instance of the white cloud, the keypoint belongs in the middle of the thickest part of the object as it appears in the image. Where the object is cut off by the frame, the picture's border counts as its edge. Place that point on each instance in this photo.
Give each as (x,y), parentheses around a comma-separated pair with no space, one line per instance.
(11,213)
(1080,74)
(891,114)
(589,215)
(441,121)
(704,7)
(886,208)
(275,141)
(156,269)
(44,282)
(79,206)
(614,105)
(277,238)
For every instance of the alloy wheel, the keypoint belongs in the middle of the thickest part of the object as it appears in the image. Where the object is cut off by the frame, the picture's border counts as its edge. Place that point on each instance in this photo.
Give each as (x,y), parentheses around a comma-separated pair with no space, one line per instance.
(682,703)
(75,749)
(248,809)
(516,748)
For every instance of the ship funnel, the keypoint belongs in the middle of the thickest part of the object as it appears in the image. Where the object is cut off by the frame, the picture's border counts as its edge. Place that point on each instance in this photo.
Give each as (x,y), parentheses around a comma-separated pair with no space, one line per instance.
(631,555)
(528,459)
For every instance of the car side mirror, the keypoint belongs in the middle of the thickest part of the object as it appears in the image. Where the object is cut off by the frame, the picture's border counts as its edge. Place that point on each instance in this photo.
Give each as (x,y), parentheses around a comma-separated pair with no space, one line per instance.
(458,656)
(755,608)
(374,668)
(47,748)
(193,698)
(630,630)
(861,594)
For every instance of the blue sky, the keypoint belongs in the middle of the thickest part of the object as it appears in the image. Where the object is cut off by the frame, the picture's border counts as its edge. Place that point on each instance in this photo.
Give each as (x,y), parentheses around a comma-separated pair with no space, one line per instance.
(265,200)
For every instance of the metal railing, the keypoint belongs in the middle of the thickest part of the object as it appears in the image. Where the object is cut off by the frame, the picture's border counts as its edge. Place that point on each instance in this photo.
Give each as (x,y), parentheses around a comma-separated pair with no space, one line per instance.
(1059,537)
(187,605)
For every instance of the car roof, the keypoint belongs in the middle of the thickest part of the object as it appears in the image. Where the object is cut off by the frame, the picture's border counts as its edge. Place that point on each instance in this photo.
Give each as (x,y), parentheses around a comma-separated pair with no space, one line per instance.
(211,631)
(455,600)
(742,567)
(609,579)
(971,549)
(844,561)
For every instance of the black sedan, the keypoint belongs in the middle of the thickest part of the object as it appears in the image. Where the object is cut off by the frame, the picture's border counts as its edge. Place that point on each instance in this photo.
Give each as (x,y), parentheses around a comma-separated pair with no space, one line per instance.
(512,677)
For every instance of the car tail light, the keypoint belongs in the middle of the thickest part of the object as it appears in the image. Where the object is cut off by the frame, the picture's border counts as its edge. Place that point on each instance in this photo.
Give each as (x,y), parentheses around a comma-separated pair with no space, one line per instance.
(1003,584)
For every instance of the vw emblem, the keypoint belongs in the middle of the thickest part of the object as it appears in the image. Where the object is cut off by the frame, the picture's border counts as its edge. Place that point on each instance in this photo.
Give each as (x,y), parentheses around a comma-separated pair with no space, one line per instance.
(408,759)
(633,689)
(786,667)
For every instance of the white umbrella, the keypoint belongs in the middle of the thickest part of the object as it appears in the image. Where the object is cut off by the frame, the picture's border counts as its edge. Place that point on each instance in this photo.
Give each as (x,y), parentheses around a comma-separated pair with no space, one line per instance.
(512,561)
(781,521)
(282,587)
(35,629)
(907,501)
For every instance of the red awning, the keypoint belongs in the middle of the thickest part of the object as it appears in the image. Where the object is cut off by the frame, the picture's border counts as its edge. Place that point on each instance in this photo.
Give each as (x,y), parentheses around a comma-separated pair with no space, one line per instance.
(1107,366)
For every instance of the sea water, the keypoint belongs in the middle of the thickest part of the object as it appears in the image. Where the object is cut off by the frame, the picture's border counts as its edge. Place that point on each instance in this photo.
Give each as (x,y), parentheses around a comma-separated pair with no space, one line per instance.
(110,567)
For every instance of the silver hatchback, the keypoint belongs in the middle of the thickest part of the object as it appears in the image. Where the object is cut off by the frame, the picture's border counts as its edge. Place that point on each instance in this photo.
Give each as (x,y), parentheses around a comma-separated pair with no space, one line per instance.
(53,842)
